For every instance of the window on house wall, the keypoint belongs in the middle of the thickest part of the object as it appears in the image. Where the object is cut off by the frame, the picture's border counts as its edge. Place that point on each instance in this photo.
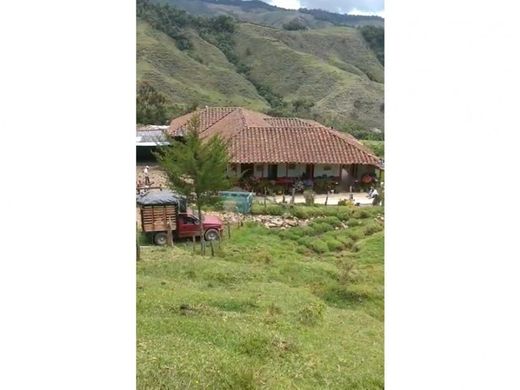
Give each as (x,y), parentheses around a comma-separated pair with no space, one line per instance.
(327,168)
(291,166)
(260,168)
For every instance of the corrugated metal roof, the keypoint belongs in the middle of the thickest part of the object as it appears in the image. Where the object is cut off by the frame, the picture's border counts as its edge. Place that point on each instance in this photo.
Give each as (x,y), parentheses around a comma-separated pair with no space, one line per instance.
(151,137)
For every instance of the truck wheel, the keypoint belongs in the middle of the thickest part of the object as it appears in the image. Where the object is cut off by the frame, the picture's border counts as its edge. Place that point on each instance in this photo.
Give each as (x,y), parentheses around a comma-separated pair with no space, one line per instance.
(211,235)
(160,238)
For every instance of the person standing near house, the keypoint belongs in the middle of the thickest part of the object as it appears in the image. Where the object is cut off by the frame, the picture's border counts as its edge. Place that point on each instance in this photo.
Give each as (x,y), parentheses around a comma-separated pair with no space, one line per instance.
(146,176)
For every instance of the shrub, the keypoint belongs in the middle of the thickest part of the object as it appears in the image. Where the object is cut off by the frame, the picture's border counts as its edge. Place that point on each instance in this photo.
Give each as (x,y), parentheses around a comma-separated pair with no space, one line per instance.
(320,227)
(360,214)
(354,234)
(317,245)
(295,25)
(300,212)
(274,209)
(332,221)
(333,244)
(270,209)
(322,185)
(278,189)
(309,197)
(311,314)
(372,228)
(346,241)
(344,214)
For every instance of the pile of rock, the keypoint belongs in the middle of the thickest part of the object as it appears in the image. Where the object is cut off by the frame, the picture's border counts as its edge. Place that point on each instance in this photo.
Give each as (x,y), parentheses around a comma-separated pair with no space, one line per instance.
(269,221)
(272,221)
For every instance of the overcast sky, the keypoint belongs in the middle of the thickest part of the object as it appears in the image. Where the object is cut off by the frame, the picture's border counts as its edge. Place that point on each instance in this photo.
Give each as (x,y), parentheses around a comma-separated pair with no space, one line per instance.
(358,7)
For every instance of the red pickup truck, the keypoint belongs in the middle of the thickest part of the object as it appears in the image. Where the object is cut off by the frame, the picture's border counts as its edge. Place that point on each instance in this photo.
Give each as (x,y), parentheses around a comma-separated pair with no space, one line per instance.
(163,209)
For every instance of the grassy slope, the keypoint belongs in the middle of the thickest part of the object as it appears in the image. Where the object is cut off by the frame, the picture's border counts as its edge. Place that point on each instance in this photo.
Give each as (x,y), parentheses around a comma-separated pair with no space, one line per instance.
(332,67)
(268,312)
(327,66)
(202,75)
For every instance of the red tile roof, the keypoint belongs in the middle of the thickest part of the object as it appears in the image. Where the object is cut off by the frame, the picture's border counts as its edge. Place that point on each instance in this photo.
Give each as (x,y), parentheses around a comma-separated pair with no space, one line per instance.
(288,122)
(258,138)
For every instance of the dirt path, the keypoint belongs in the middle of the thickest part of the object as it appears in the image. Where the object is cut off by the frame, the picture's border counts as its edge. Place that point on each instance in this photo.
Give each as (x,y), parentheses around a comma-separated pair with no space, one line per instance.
(157,177)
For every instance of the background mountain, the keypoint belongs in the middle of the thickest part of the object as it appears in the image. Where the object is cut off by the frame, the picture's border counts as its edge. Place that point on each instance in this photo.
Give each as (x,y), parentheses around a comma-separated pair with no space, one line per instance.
(258,12)
(303,63)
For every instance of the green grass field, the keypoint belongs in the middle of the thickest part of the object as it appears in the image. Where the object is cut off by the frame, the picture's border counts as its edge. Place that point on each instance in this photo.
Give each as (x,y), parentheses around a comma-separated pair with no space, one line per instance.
(300,308)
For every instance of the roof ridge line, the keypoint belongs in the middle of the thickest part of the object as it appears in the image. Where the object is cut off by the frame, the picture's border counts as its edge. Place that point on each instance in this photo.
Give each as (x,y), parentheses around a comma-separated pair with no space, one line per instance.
(214,123)
(244,122)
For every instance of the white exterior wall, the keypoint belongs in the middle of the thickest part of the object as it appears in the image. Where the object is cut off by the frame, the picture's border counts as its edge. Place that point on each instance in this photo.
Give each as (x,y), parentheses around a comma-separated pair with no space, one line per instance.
(298,170)
(320,171)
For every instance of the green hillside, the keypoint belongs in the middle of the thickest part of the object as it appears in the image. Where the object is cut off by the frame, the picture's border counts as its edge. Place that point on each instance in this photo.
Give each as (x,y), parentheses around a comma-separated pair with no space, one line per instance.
(330,74)
(330,67)
(201,75)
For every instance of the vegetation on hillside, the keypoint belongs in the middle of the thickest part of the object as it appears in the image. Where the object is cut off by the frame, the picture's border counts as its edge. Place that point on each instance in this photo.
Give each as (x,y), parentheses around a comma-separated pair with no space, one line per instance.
(150,105)
(295,308)
(327,75)
(375,37)
(378,147)
(295,25)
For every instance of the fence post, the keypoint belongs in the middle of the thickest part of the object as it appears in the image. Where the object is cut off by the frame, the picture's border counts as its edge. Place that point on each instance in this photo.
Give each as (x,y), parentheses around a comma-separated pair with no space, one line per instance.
(212,249)
(228,230)
(193,239)
(169,233)
(138,247)
(292,196)
(327,198)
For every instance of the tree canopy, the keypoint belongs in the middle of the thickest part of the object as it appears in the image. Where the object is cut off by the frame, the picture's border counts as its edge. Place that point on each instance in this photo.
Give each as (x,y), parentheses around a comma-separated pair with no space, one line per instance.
(195,167)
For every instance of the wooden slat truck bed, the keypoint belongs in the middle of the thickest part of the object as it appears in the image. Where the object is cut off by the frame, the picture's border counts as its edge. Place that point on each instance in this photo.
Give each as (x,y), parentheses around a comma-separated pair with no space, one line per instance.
(154,218)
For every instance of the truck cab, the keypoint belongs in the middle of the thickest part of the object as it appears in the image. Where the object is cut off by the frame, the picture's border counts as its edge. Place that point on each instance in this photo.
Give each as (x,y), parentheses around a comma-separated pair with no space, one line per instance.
(188,225)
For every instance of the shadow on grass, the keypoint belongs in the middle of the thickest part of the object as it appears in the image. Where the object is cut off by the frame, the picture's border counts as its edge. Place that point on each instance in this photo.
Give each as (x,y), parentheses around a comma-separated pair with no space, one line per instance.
(339,296)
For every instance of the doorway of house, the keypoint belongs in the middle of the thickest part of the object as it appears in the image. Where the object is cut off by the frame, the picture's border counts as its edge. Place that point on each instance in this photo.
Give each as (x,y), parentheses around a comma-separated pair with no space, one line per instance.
(272,171)
(246,170)
(346,178)
(309,171)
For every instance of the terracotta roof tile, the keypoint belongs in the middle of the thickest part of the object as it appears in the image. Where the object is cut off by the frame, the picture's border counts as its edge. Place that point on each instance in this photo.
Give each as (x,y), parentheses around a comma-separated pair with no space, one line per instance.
(208,117)
(288,122)
(258,138)
(308,145)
